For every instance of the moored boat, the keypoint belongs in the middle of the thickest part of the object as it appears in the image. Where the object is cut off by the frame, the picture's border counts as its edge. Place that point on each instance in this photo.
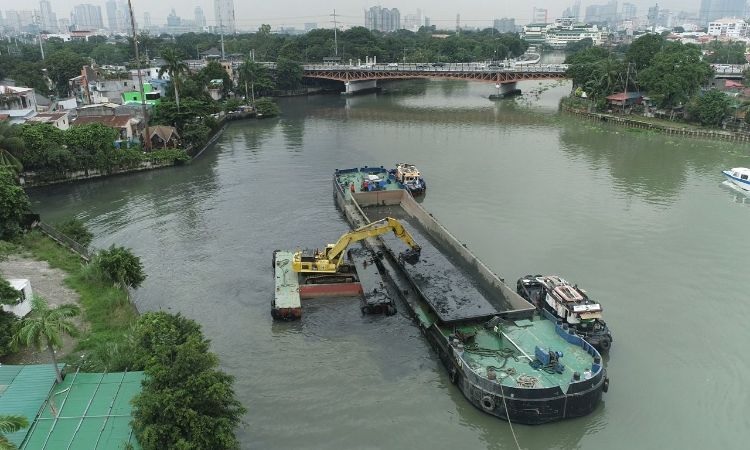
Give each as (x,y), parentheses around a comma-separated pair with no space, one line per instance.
(739,176)
(569,304)
(410,177)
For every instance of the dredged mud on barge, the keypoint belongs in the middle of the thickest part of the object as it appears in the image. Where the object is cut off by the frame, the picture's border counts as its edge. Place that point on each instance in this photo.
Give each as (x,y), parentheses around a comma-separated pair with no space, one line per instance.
(506,358)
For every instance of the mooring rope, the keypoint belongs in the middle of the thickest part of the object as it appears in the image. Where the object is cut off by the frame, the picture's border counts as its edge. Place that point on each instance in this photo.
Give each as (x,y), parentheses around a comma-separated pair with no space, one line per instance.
(507,414)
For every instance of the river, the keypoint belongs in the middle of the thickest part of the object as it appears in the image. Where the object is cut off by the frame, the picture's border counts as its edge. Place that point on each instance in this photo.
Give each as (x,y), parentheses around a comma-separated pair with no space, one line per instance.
(641,221)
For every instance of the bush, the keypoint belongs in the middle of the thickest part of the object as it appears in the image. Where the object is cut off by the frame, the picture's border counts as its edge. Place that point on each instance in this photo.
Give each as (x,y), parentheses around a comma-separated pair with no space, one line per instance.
(76,230)
(120,265)
(266,107)
(167,154)
(232,105)
(196,134)
(8,325)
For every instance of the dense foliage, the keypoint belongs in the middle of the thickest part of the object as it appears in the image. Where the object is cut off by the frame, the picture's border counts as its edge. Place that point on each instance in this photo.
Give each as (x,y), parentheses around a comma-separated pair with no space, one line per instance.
(8,321)
(266,107)
(675,74)
(14,203)
(120,265)
(710,108)
(186,401)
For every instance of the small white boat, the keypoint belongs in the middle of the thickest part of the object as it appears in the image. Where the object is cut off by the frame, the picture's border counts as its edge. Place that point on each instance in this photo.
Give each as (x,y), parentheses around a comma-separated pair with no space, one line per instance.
(739,176)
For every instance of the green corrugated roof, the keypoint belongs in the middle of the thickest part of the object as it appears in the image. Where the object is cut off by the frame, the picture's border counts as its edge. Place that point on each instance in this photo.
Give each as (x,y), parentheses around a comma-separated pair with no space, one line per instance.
(23,391)
(88,411)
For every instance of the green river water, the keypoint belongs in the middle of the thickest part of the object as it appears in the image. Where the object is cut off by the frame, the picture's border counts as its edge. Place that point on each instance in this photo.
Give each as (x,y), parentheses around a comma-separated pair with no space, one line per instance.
(641,221)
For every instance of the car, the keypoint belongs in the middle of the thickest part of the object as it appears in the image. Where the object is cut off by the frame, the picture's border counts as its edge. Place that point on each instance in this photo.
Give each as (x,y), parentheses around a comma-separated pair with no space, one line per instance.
(496,66)
(438,64)
(392,64)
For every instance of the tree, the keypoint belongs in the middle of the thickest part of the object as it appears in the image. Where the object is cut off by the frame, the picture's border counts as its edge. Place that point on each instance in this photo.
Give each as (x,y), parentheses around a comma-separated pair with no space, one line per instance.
(675,74)
(577,46)
(76,230)
(8,295)
(45,326)
(121,266)
(41,141)
(10,424)
(643,50)
(710,108)
(8,324)
(215,71)
(175,67)
(186,401)
(62,66)
(288,74)
(10,146)
(14,203)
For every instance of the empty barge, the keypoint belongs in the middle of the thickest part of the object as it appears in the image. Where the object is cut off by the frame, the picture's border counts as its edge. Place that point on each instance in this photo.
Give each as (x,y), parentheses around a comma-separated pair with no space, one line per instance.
(508,359)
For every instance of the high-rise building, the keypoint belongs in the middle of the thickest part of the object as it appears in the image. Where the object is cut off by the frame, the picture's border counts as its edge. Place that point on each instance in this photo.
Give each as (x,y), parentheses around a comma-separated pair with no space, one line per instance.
(539,15)
(111,7)
(147,20)
(87,17)
(173,20)
(715,9)
(602,13)
(576,10)
(653,15)
(13,20)
(64,25)
(505,25)
(48,18)
(200,18)
(224,14)
(118,16)
(628,11)
(383,19)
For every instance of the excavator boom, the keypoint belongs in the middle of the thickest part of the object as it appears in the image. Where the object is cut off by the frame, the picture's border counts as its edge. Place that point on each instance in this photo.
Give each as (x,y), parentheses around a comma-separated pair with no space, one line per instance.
(330,260)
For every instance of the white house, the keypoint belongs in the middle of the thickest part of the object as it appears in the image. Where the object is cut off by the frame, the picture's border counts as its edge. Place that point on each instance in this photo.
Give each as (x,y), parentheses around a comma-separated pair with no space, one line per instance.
(23,307)
(59,120)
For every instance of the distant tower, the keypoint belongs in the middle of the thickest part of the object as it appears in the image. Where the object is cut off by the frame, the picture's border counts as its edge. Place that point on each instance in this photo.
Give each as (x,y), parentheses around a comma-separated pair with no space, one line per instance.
(48,18)
(147,20)
(458,23)
(200,18)
(224,15)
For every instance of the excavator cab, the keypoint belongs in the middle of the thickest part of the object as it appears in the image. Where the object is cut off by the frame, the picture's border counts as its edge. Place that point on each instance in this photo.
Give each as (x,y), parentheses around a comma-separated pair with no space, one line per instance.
(411,255)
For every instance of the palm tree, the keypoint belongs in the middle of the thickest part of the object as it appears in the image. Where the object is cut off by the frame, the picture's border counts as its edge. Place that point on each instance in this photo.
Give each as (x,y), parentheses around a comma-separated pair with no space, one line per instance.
(252,73)
(10,424)
(10,143)
(45,326)
(174,66)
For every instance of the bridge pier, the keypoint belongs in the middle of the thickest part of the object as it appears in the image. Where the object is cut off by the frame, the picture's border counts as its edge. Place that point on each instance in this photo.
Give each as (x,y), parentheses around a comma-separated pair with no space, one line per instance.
(353,87)
(505,90)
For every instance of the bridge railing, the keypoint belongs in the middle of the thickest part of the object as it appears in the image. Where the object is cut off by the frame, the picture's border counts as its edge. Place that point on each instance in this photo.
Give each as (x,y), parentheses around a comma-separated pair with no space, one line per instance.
(429,68)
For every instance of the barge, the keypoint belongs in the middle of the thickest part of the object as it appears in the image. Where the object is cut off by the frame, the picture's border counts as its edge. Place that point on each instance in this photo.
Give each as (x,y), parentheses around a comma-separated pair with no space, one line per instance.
(506,357)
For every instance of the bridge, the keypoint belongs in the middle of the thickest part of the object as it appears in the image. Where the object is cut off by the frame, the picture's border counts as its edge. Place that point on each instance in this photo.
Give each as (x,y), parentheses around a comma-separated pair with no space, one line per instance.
(504,76)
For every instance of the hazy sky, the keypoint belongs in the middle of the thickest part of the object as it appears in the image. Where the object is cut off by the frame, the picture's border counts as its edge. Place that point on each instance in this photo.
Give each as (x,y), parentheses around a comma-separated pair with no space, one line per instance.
(297,12)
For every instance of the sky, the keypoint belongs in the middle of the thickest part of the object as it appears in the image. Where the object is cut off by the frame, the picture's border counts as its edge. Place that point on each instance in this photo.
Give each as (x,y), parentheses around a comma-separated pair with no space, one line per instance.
(297,12)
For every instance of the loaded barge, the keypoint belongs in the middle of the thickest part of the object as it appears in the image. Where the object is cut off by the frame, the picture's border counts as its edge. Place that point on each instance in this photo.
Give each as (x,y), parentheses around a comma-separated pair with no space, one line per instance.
(507,358)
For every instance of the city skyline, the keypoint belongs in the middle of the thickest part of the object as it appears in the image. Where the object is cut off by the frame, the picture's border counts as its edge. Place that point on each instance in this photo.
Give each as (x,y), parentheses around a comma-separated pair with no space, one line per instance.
(477,13)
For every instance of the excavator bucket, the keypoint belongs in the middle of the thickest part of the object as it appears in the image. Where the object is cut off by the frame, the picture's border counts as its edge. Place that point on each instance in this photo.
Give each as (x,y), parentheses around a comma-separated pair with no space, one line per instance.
(410,256)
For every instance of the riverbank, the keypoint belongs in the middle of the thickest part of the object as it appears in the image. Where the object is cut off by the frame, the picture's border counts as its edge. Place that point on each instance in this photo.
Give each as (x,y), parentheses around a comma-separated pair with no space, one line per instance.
(107,313)
(645,124)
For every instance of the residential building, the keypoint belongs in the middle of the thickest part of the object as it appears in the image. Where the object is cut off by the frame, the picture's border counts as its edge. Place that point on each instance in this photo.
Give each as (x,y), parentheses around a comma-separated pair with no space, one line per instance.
(535,33)
(59,120)
(17,103)
(505,25)
(561,36)
(224,15)
(728,28)
(87,17)
(383,19)
(127,127)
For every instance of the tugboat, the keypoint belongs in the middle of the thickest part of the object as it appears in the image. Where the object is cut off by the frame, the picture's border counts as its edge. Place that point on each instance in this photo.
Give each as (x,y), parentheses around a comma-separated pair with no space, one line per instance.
(569,304)
(410,177)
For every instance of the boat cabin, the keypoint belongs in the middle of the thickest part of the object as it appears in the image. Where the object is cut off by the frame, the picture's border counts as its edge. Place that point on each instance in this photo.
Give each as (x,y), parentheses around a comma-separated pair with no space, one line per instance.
(407,173)
(570,302)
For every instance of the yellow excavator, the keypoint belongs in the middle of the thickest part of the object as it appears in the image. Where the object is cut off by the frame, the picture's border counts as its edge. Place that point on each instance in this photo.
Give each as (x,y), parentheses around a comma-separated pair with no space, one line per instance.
(329,261)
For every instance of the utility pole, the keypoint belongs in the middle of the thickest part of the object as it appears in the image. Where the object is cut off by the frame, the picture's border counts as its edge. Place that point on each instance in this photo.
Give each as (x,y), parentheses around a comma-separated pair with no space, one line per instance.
(335,37)
(147,137)
(221,30)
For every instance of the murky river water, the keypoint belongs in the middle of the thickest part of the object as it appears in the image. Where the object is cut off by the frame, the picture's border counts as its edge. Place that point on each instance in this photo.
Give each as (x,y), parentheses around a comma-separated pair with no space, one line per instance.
(641,221)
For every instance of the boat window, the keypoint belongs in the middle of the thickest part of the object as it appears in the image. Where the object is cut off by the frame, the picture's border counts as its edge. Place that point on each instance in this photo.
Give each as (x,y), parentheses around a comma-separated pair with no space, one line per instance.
(744,177)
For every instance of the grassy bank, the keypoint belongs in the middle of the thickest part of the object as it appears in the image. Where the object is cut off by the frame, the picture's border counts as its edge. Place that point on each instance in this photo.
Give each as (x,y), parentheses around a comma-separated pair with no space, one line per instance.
(105,306)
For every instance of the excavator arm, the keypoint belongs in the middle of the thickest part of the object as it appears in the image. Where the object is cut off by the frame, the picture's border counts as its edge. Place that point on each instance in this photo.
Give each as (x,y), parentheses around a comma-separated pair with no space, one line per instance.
(330,260)
(370,230)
